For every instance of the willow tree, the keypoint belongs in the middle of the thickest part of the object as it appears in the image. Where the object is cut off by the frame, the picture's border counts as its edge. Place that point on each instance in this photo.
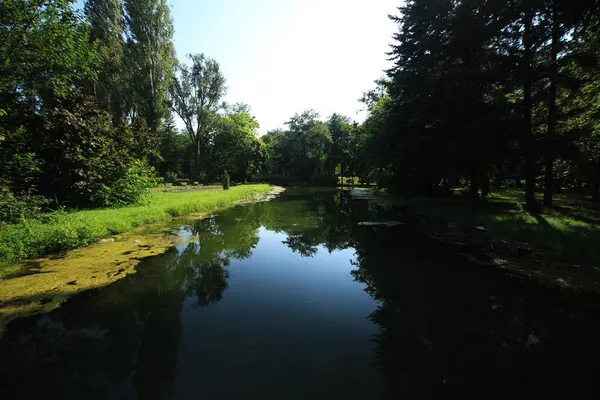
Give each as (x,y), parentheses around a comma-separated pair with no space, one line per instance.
(195,96)
(151,58)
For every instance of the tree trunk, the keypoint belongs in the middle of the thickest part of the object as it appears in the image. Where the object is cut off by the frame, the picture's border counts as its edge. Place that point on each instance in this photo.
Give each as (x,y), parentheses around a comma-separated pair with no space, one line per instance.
(596,190)
(484,184)
(528,139)
(552,117)
(196,173)
(474,185)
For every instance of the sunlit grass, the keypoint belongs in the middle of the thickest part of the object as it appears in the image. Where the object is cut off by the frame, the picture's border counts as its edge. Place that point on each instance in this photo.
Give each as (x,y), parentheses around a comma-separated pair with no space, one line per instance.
(67,230)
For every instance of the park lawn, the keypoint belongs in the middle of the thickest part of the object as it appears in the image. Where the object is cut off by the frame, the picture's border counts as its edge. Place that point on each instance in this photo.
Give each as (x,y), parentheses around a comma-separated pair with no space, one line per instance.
(62,231)
(561,243)
(187,188)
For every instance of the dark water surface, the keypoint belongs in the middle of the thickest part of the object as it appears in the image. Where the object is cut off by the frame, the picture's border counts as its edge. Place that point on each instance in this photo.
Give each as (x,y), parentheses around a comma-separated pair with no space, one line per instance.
(293,299)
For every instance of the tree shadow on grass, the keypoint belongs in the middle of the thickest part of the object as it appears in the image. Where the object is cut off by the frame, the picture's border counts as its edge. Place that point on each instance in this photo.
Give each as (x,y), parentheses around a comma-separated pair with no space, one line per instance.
(561,246)
(587,215)
(571,252)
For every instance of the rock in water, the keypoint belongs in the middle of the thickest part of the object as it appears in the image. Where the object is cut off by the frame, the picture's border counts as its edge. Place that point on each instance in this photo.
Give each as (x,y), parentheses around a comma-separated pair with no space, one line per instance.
(111,240)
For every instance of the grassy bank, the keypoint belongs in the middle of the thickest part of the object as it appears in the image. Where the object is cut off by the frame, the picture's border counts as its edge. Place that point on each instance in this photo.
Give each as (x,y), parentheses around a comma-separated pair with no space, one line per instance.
(559,243)
(64,231)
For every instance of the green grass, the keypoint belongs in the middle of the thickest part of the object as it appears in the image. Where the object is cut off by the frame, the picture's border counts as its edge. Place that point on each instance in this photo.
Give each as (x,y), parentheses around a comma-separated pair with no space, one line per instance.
(69,230)
(562,241)
(188,188)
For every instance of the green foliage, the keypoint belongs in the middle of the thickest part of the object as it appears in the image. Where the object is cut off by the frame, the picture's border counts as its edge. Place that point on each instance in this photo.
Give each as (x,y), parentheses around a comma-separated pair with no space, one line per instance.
(171,177)
(67,230)
(481,91)
(45,52)
(130,187)
(195,93)
(175,150)
(303,151)
(107,30)
(57,141)
(236,147)
(84,154)
(20,208)
(226,180)
(150,58)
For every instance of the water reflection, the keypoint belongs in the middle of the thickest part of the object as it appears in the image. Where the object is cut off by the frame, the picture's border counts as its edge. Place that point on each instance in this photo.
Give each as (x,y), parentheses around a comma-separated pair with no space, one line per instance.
(259,301)
(450,328)
(122,341)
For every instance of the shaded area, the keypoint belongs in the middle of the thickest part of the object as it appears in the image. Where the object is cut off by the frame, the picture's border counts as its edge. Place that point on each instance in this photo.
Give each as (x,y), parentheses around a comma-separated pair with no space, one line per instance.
(558,244)
(451,328)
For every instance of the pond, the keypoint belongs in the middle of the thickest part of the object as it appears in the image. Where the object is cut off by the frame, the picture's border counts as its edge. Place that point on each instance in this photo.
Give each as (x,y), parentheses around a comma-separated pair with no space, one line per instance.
(298,298)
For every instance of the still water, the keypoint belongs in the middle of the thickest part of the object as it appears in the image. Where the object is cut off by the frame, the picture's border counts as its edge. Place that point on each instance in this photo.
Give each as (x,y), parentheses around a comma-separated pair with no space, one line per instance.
(295,299)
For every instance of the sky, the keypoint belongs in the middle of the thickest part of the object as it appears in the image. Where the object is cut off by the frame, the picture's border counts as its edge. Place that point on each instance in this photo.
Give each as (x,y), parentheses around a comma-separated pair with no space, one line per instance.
(284,56)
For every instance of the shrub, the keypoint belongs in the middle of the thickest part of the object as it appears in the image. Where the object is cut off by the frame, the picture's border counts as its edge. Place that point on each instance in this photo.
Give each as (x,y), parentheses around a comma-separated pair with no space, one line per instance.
(171,177)
(226,180)
(131,187)
(18,208)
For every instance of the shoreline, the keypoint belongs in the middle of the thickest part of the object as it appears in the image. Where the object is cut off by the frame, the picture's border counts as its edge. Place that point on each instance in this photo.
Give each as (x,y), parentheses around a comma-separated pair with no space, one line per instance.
(62,231)
(41,285)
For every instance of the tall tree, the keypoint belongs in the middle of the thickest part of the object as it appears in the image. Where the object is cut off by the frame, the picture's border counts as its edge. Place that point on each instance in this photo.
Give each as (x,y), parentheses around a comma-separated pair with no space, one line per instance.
(195,96)
(341,130)
(151,58)
(107,26)
(552,109)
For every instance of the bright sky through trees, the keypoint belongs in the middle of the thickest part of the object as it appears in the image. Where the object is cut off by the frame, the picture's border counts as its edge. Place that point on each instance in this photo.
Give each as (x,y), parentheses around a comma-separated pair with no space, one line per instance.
(284,56)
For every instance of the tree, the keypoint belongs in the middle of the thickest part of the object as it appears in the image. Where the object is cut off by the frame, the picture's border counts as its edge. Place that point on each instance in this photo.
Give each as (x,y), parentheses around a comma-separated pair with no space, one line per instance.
(195,94)
(236,147)
(341,130)
(151,58)
(46,59)
(107,27)
(474,93)
(175,151)
(311,142)
(277,151)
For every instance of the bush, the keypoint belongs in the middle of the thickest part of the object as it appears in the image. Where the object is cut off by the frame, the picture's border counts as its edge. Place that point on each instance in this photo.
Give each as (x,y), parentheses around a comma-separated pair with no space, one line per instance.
(131,187)
(226,180)
(171,177)
(18,208)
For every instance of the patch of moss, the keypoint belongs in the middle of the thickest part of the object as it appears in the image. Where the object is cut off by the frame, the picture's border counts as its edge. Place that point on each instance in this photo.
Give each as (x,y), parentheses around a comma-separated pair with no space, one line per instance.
(41,285)
(47,282)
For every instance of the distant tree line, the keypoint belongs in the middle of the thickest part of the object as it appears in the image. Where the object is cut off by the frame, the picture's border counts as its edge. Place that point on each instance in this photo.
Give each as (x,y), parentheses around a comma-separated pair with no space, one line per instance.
(480,92)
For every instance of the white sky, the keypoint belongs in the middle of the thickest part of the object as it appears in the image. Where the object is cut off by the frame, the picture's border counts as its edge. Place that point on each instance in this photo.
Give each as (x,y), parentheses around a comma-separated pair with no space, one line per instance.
(284,56)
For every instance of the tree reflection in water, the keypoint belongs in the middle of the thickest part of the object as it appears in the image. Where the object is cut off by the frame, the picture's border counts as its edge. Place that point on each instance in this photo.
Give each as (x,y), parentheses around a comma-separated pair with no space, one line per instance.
(448,328)
(103,342)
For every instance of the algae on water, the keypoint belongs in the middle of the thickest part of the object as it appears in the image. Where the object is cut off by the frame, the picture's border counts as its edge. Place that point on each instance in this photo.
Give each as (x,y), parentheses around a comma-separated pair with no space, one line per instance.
(50,281)
(41,285)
